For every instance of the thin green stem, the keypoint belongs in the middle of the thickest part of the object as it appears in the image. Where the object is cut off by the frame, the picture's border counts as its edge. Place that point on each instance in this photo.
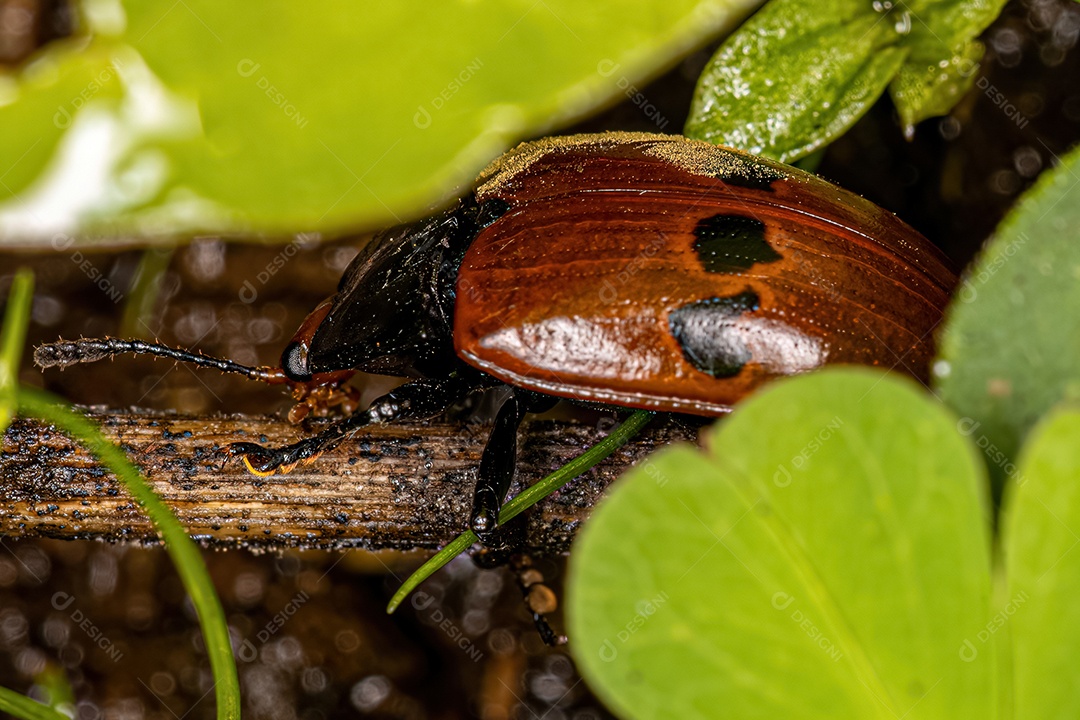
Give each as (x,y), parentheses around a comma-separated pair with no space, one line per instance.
(12,337)
(526,499)
(185,554)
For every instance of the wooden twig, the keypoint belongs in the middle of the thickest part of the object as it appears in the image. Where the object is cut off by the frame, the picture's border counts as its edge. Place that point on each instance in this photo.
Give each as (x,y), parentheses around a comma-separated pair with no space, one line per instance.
(401,486)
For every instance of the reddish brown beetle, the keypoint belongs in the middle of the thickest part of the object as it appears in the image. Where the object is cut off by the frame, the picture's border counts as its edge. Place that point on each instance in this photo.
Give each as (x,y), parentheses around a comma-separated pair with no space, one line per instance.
(642,271)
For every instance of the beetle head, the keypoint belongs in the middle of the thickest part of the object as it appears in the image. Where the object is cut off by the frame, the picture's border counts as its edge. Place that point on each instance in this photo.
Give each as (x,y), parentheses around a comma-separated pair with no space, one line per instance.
(393,311)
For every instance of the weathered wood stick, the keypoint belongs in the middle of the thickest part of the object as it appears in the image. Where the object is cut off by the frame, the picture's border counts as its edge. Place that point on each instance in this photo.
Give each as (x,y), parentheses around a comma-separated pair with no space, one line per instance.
(401,486)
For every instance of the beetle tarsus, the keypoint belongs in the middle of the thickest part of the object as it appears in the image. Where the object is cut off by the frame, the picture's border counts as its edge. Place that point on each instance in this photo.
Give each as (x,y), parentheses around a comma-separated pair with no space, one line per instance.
(263,461)
(546,632)
(540,599)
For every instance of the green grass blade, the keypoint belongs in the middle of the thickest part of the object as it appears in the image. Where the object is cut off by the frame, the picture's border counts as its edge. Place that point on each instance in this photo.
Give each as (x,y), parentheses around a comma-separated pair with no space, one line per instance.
(26,708)
(12,336)
(143,296)
(53,680)
(181,548)
(526,499)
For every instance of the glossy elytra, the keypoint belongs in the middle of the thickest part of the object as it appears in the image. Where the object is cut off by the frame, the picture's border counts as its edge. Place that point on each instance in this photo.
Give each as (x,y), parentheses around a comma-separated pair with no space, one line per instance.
(635,270)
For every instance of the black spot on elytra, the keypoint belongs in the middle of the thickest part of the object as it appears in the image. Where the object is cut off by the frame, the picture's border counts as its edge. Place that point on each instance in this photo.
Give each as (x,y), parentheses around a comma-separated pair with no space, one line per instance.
(731,244)
(706,332)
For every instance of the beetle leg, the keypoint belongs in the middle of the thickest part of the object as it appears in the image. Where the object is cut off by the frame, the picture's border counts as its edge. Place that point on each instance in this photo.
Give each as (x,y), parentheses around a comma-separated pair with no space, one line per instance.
(417,400)
(499,460)
(497,466)
(506,548)
(540,599)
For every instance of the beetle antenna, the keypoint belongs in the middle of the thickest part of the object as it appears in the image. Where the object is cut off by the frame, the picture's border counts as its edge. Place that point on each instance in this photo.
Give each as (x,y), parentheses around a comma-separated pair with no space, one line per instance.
(72,352)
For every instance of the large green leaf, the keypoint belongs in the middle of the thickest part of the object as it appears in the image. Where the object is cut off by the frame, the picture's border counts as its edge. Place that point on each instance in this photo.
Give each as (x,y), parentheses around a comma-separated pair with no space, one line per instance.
(1011,342)
(1040,612)
(798,74)
(212,117)
(812,564)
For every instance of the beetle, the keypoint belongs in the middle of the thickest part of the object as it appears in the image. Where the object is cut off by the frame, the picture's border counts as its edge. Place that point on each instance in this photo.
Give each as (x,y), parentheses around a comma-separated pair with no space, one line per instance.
(642,271)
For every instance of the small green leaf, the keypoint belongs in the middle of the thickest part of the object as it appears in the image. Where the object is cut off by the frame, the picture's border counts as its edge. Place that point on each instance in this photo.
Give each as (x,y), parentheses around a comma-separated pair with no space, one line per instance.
(1042,561)
(167,120)
(797,75)
(1010,347)
(944,58)
(794,77)
(812,564)
(921,91)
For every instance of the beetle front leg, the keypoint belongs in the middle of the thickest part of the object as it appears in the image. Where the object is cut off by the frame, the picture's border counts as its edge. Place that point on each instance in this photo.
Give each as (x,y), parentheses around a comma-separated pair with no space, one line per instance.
(417,400)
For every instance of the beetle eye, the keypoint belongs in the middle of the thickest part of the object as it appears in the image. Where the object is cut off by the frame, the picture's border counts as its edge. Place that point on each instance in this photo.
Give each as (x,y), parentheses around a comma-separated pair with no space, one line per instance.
(294,361)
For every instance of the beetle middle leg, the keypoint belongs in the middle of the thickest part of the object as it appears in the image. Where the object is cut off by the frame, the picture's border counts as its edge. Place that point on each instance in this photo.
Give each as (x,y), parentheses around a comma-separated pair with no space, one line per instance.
(499,461)
(417,400)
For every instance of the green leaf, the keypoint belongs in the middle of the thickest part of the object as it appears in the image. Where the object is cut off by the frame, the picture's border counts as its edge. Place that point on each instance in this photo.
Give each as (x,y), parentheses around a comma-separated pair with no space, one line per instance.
(944,58)
(1041,531)
(204,117)
(797,75)
(810,565)
(1010,347)
(794,77)
(921,91)
(12,337)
